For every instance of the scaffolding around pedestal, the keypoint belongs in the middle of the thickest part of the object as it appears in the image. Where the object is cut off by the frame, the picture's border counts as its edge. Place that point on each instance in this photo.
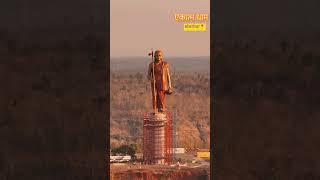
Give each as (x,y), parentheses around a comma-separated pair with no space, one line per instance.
(157,138)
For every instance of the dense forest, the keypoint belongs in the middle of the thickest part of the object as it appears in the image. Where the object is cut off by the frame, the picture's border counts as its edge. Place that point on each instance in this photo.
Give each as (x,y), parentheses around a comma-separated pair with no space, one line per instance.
(131,97)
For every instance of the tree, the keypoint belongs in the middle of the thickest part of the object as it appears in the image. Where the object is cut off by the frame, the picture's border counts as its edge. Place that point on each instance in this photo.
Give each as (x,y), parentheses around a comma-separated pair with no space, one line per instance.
(125,150)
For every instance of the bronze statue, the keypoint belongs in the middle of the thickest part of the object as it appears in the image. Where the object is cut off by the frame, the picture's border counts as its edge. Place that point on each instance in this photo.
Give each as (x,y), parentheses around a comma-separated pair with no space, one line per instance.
(160,80)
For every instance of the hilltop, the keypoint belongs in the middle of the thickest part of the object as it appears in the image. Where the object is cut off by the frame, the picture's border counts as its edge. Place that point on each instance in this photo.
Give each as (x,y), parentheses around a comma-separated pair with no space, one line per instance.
(131,96)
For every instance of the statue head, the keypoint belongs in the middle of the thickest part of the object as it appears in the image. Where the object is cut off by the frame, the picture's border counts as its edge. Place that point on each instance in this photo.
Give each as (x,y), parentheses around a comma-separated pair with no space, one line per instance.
(158,55)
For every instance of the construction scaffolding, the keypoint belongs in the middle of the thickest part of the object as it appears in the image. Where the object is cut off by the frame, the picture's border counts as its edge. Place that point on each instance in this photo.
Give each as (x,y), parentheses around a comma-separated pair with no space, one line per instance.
(174,132)
(157,138)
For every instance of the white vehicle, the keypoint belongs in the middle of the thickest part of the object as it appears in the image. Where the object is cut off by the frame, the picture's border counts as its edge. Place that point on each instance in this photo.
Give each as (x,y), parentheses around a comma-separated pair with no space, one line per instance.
(179,150)
(126,158)
(116,159)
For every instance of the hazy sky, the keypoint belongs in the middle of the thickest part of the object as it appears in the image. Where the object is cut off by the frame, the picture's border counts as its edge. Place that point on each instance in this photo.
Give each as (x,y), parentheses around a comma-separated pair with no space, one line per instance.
(138,25)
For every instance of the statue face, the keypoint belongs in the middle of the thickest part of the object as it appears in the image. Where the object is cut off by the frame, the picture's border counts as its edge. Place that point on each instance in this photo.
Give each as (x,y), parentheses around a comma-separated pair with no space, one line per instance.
(158,56)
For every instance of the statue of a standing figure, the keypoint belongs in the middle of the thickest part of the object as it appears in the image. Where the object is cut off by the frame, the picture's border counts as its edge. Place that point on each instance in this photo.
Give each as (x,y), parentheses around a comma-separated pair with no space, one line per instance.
(160,81)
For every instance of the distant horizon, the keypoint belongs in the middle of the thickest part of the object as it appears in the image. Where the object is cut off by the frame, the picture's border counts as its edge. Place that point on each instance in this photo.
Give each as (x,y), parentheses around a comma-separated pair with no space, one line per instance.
(165,57)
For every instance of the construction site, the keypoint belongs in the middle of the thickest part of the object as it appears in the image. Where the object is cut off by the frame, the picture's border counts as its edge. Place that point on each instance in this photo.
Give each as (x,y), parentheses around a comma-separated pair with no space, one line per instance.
(161,160)
(154,130)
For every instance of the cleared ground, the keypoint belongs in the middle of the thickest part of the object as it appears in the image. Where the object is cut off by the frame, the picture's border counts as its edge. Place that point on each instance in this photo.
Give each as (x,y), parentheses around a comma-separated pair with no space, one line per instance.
(136,172)
(190,167)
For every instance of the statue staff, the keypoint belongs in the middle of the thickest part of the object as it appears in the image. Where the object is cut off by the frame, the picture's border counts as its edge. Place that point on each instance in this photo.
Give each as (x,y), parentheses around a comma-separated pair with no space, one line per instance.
(154,81)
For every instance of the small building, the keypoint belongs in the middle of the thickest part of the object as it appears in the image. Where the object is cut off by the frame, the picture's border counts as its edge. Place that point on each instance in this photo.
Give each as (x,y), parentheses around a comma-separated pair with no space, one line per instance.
(179,150)
(203,153)
(139,156)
